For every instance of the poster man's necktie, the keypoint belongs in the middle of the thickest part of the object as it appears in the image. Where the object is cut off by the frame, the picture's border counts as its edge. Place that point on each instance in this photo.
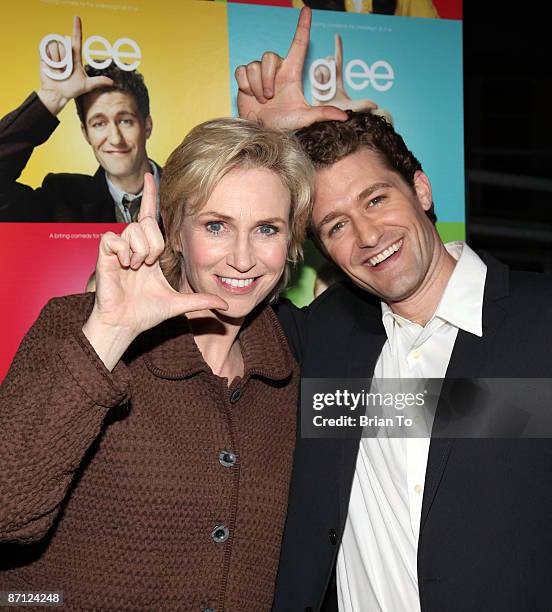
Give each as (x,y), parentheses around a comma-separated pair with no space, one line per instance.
(132,205)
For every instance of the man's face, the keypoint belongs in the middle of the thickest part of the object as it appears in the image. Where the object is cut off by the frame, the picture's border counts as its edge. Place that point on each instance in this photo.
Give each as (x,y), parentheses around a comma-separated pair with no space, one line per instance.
(116,132)
(374,226)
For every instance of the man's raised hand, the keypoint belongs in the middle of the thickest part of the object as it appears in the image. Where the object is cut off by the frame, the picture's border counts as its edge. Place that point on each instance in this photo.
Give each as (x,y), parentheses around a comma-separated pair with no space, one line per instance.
(271,90)
(132,294)
(55,94)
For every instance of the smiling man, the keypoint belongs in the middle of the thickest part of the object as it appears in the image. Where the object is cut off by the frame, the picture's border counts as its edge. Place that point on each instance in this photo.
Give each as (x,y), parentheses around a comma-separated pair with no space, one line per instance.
(406,524)
(113,106)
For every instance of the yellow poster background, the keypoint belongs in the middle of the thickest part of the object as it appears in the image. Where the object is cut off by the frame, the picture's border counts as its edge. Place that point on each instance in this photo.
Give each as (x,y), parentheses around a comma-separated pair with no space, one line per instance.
(184,45)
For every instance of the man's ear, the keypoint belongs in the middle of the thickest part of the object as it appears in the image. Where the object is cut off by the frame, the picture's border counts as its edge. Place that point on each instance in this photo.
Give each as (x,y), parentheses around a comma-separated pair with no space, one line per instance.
(422,186)
(85,133)
(148,126)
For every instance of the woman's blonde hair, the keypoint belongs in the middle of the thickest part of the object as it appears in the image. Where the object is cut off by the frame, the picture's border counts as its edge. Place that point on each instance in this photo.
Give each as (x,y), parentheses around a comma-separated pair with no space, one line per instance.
(206,155)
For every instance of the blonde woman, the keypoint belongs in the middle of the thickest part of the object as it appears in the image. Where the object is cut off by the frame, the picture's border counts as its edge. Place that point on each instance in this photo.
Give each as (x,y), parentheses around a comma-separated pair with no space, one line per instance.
(148,428)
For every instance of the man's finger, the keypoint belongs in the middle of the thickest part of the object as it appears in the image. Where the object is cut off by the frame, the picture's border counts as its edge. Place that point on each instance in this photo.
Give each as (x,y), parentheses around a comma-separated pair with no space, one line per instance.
(323,113)
(242,80)
(253,71)
(148,206)
(338,59)
(269,66)
(76,41)
(92,83)
(300,43)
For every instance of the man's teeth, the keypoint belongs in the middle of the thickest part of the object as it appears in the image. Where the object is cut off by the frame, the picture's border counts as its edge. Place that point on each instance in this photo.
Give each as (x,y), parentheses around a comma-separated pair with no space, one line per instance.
(374,261)
(234,282)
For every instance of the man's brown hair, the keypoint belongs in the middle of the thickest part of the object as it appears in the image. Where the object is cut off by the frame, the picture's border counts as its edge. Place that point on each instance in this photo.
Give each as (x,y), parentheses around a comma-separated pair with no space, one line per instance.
(326,142)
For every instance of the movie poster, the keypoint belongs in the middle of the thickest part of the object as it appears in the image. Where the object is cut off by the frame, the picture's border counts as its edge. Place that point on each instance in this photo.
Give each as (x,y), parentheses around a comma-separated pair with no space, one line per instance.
(187,51)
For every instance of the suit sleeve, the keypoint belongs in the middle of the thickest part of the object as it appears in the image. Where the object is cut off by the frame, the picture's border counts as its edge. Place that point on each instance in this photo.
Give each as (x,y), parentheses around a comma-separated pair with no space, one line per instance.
(25,128)
(52,406)
(294,323)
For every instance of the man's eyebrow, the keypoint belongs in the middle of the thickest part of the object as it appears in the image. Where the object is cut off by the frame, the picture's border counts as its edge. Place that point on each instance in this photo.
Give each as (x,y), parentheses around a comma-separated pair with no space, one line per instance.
(370,190)
(103,115)
(361,196)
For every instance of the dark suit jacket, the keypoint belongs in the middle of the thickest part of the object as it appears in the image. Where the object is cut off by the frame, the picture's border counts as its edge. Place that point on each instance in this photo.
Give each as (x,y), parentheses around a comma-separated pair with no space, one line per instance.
(64,197)
(486,527)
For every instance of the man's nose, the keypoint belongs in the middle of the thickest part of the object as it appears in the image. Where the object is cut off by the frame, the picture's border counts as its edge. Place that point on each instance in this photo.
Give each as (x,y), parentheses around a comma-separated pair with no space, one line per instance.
(115,135)
(367,232)
(242,254)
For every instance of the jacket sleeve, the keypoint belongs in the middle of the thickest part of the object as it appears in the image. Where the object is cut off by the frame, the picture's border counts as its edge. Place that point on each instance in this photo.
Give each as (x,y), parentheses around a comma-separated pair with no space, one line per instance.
(52,406)
(28,126)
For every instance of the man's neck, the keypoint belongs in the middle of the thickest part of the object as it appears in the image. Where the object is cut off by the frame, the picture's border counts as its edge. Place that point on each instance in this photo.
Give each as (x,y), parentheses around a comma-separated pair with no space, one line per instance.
(133,183)
(421,306)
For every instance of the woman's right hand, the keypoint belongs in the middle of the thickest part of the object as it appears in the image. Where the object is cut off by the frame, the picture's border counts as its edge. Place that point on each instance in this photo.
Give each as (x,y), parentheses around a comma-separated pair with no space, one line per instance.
(132,294)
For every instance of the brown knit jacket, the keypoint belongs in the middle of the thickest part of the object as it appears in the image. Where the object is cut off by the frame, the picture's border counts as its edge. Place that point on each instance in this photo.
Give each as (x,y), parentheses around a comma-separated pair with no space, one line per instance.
(114,480)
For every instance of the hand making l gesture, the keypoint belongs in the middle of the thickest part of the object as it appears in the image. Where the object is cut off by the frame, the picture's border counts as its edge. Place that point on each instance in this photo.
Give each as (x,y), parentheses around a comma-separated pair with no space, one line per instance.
(56,94)
(132,294)
(341,98)
(271,90)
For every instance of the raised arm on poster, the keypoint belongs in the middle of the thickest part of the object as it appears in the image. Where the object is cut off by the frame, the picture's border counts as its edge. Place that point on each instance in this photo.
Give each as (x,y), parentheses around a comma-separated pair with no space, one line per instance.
(56,93)
(132,294)
(271,90)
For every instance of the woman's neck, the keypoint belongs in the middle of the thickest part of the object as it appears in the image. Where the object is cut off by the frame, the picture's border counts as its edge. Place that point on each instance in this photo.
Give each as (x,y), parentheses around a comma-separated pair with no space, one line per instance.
(217,340)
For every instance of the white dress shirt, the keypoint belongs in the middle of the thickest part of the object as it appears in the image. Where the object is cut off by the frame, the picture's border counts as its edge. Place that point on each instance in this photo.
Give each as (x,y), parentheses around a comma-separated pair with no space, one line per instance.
(377,560)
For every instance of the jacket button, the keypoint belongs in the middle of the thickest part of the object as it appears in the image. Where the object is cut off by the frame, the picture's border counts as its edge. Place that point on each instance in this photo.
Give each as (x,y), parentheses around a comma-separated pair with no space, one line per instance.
(220,534)
(227,458)
(236,395)
(333,536)
(309,609)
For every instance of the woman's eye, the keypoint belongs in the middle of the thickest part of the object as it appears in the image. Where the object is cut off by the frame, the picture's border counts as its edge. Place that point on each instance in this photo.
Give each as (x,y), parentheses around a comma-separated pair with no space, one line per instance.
(268,230)
(215,227)
(336,228)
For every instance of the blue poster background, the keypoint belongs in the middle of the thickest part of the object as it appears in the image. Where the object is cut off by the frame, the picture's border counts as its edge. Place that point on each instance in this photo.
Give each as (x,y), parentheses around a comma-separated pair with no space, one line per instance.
(425,99)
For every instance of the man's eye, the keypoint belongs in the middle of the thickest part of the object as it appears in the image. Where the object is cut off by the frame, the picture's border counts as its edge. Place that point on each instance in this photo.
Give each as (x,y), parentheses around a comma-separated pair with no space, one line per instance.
(268,230)
(98,124)
(215,227)
(376,201)
(126,122)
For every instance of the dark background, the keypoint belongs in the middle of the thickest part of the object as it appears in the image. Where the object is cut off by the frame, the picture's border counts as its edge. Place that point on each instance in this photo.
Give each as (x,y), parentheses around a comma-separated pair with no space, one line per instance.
(508,132)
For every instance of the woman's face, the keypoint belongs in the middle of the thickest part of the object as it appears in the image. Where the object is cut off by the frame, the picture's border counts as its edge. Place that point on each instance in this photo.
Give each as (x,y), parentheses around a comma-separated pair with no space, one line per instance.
(236,245)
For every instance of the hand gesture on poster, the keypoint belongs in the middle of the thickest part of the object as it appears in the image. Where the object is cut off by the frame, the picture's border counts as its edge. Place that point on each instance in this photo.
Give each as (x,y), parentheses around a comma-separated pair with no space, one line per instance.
(341,98)
(132,294)
(56,94)
(271,90)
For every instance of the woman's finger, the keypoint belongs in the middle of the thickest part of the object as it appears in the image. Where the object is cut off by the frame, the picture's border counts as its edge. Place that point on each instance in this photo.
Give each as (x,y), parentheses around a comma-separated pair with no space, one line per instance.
(111,244)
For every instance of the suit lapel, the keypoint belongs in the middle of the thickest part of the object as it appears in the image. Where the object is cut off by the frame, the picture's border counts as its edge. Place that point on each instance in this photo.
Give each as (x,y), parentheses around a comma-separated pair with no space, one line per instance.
(471,358)
(366,341)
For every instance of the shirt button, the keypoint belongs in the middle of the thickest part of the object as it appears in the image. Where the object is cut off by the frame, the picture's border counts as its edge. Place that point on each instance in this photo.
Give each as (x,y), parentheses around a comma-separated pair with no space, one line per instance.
(236,395)
(418,488)
(333,536)
(416,354)
(227,458)
(220,534)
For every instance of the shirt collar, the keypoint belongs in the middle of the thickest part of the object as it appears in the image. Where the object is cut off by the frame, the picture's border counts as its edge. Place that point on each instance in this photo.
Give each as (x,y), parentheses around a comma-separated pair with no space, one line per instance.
(117,193)
(462,302)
